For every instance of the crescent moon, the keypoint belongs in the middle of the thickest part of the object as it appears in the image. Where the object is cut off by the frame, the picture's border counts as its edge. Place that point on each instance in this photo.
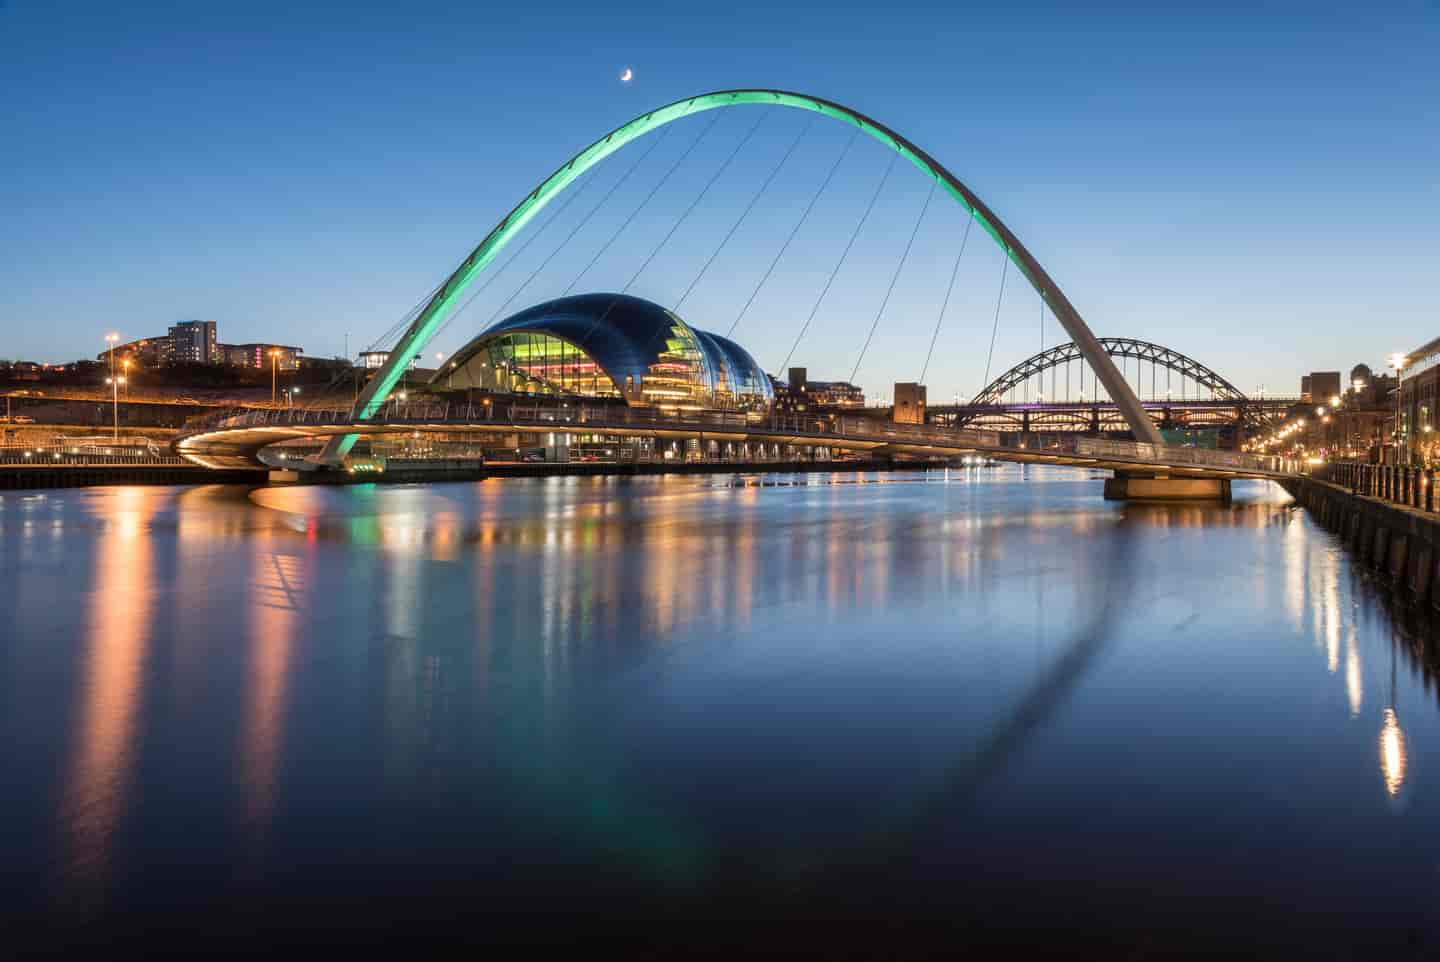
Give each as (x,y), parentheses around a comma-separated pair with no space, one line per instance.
(627,75)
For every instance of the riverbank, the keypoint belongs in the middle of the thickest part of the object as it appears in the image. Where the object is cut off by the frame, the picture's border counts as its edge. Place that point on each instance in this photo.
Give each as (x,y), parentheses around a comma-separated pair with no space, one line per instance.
(1400,542)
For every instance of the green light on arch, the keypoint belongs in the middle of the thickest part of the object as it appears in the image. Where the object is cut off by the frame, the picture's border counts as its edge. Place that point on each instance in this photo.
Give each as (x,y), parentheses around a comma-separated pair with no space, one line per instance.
(444,301)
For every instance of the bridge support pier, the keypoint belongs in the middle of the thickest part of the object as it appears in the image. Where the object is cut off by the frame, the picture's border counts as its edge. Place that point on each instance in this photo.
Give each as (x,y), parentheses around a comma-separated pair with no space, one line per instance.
(1126,486)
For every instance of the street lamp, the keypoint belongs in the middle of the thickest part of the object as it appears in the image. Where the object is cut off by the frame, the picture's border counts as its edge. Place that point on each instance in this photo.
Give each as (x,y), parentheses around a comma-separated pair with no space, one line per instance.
(115,383)
(110,340)
(1397,361)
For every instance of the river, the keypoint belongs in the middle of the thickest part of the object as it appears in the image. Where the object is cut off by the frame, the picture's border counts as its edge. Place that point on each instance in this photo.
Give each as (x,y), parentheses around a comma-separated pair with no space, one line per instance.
(984,696)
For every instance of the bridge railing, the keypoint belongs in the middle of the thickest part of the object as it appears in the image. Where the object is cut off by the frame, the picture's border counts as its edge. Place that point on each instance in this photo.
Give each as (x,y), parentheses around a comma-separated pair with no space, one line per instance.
(817,428)
(1413,487)
(89,455)
(1170,454)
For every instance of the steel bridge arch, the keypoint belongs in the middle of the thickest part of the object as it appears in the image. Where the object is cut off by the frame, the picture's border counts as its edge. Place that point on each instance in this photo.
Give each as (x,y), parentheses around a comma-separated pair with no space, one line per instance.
(1124,347)
(449,294)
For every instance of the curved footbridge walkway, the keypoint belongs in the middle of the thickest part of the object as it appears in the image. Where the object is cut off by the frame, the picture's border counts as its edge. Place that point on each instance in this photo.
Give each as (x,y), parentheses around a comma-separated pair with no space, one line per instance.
(235,439)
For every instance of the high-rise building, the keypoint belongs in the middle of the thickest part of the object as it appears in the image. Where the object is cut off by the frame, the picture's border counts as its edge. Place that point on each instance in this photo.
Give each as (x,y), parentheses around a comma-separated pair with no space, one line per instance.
(194,342)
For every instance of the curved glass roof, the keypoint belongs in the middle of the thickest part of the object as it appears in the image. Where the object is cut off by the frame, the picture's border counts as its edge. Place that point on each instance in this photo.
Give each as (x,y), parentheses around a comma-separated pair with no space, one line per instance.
(649,354)
(738,379)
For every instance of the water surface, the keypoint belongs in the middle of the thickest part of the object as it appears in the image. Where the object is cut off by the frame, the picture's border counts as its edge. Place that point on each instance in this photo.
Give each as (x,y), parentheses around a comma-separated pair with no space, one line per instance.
(987,697)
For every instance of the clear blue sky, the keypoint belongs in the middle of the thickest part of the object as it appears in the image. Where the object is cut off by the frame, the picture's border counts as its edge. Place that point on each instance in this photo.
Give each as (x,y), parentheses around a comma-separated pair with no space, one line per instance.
(1257,185)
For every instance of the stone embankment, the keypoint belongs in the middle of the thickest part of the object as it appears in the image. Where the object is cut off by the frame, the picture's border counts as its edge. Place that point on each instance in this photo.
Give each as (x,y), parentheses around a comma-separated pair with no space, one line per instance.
(1386,516)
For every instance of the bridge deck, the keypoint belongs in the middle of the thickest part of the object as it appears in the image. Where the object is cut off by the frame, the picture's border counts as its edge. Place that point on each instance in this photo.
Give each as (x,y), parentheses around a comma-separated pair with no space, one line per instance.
(235,439)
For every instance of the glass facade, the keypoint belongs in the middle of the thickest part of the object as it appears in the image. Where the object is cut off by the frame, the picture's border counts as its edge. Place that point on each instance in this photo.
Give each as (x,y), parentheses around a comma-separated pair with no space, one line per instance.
(738,383)
(610,346)
(533,363)
(680,375)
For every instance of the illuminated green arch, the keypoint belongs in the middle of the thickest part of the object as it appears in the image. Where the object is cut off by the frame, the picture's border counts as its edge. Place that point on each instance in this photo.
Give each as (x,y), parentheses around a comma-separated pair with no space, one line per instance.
(448,296)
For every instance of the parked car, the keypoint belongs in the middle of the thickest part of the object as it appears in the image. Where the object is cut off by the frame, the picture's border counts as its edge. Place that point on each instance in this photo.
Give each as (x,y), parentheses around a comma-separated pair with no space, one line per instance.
(533,456)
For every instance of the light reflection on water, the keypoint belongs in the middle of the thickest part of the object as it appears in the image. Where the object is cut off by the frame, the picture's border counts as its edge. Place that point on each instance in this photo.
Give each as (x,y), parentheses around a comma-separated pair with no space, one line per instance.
(692,680)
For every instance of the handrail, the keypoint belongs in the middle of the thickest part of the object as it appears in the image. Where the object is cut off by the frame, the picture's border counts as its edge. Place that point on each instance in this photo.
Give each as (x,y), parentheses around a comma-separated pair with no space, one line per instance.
(534,415)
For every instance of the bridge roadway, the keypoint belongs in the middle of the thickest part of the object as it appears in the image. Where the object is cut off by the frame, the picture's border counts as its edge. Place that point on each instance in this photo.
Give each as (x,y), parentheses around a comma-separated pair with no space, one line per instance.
(1070,415)
(235,439)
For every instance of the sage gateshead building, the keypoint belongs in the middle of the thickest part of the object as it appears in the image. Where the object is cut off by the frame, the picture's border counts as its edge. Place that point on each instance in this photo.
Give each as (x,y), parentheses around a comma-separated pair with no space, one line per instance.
(614,347)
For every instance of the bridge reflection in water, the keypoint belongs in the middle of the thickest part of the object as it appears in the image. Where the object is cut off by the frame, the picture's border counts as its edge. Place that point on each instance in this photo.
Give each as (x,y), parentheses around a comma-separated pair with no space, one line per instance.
(948,688)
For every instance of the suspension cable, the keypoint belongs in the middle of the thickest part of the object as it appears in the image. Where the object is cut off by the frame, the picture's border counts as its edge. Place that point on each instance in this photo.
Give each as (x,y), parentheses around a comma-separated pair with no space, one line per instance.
(696,202)
(841,262)
(661,324)
(642,205)
(793,231)
(534,236)
(895,277)
(653,191)
(394,330)
(745,213)
(954,273)
(576,229)
(1005,270)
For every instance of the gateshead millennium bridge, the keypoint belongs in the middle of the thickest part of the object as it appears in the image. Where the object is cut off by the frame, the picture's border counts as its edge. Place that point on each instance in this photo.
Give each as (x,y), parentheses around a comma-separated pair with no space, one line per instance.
(619,367)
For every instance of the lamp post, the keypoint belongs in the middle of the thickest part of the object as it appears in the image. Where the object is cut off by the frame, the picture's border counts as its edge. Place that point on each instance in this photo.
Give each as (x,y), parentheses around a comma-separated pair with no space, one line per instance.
(1397,361)
(274,359)
(115,383)
(110,340)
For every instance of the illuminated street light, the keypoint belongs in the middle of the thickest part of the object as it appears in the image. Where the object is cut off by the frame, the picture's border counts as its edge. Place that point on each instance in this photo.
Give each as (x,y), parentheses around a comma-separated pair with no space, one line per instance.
(1397,361)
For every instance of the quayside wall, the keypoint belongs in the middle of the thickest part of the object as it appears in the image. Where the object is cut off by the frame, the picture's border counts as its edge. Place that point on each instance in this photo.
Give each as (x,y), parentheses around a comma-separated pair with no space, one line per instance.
(1400,542)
